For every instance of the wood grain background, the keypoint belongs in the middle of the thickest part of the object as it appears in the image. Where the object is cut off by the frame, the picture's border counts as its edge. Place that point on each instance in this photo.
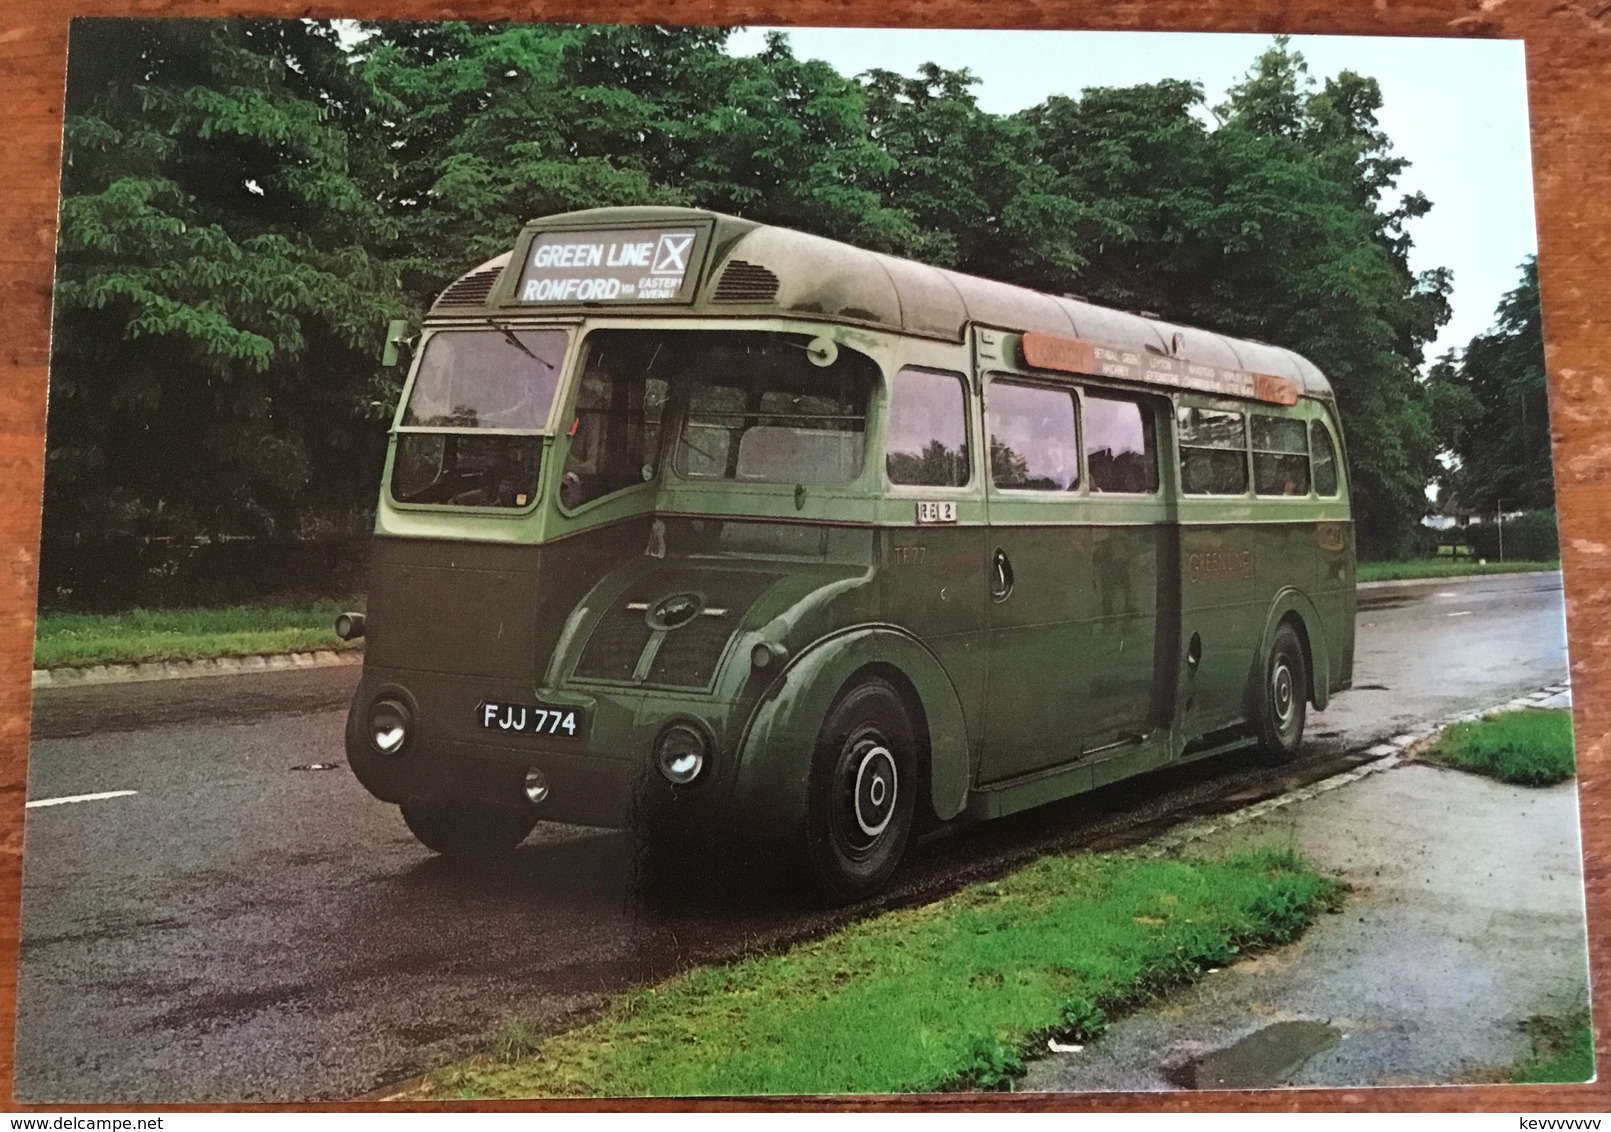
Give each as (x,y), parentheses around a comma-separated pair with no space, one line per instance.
(1569,90)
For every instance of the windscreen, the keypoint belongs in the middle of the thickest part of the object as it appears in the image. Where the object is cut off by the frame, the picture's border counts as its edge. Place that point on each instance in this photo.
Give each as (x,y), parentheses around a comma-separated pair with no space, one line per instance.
(486,379)
(477,379)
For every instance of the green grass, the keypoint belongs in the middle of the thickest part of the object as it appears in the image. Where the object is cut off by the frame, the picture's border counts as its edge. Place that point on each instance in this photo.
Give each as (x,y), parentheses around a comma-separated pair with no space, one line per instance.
(953,995)
(1444,568)
(79,639)
(1563,1050)
(1529,747)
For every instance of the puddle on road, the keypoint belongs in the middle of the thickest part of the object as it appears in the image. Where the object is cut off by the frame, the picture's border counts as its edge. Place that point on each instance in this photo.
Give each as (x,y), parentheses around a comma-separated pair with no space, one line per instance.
(1263,1059)
(1394,602)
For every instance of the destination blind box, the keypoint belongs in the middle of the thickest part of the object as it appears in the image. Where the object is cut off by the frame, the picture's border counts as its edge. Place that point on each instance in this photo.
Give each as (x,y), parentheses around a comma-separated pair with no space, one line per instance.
(619,265)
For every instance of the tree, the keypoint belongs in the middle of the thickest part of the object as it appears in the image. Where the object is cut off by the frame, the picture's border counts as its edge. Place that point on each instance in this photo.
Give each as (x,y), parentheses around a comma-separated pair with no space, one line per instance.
(218,306)
(490,125)
(1272,226)
(979,199)
(1494,417)
(494,125)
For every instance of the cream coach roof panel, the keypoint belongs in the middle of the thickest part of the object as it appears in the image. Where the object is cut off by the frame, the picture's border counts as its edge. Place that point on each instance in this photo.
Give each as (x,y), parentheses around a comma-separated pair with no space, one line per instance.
(751,268)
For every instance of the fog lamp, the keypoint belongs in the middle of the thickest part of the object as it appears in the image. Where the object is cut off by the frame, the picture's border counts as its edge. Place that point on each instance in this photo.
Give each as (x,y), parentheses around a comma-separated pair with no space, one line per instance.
(767,653)
(536,786)
(350,626)
(680,753)
(388,726)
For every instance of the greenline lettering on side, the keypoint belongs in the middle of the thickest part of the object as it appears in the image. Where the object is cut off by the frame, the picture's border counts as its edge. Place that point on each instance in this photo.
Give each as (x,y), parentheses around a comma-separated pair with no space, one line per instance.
(950,995)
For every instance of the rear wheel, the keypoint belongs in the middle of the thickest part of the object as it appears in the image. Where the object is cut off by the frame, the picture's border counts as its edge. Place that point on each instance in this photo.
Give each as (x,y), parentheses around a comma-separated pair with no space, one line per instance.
(862,794)
(467,829)
(1280,704)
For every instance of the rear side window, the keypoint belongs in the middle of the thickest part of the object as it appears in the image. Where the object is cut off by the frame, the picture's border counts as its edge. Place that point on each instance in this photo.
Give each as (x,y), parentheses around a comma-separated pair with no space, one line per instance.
(1120,449)
(1213,452)
(1325,459)
(1280,456)
(1033,445)
(926,441)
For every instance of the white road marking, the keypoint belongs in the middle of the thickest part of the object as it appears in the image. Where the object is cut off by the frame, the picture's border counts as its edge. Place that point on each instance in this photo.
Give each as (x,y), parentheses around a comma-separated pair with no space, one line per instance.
(81,798)
(1462,613)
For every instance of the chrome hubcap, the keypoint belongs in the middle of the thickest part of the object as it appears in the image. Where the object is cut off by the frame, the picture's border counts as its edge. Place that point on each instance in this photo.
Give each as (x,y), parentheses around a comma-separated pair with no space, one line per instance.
(875,788)
(1281,693)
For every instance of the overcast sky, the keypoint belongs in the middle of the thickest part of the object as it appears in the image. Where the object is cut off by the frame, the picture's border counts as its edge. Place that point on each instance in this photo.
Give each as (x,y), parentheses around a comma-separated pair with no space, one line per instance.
(1455,108)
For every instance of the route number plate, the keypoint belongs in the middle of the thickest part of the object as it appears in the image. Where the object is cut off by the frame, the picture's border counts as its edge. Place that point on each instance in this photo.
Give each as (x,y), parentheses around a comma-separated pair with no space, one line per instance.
(532,719)
(936,511)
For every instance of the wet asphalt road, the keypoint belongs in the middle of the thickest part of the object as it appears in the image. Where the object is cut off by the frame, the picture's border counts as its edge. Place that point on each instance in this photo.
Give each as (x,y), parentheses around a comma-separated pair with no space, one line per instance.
(245,929)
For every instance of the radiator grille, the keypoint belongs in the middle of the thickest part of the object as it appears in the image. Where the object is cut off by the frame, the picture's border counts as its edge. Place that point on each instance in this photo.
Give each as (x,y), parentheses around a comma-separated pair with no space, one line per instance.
(687,655)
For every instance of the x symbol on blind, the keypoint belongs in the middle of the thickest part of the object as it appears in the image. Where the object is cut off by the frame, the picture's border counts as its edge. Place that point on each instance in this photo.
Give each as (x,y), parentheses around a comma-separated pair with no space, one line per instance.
(671,257)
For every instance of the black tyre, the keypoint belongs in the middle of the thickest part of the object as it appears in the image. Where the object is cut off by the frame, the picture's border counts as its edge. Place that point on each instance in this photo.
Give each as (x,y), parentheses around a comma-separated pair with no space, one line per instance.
(863,791)
(467,829)
(1280,700)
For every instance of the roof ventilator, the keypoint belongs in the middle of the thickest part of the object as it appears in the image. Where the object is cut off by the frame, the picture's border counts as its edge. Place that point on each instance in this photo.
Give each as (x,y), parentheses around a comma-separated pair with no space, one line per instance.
(744,282)
(471,290)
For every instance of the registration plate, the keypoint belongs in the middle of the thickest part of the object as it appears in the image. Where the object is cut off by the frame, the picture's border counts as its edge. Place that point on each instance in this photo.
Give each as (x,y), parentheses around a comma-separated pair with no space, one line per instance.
(532,719)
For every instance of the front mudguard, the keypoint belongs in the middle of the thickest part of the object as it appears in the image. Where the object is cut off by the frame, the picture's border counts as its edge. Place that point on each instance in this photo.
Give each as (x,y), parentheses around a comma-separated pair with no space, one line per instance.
(774,769)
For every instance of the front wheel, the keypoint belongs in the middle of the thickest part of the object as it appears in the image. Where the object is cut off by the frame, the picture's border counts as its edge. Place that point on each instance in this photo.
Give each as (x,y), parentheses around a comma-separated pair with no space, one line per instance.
(467,829)
(1280,704)
(862,795)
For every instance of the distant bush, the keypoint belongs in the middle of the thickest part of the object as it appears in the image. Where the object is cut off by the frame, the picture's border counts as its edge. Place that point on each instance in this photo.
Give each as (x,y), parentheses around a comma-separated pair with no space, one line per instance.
(1531,536)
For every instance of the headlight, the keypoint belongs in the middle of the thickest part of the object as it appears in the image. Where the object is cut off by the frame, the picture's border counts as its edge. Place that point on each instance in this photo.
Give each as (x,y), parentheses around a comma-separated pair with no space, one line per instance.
(389,726)
(680,753)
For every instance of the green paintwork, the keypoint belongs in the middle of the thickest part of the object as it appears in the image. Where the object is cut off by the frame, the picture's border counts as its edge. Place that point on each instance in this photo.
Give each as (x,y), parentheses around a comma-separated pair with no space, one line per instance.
(1081,676)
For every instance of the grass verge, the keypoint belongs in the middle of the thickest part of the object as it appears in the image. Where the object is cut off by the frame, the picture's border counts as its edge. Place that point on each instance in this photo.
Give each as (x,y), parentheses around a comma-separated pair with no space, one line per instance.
(1563,1050)
(80,639)
(1528,747)
(1443,568)
(952,995)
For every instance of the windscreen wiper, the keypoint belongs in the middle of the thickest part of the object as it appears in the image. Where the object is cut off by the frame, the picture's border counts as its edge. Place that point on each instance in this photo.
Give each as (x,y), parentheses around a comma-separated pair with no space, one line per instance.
(509,337)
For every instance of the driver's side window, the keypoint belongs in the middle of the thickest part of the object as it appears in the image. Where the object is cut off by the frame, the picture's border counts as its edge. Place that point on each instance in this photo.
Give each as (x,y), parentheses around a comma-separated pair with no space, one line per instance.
(614,436)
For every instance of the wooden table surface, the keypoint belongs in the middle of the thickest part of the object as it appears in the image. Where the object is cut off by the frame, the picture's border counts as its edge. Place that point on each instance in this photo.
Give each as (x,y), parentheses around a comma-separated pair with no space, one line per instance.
(1569,91)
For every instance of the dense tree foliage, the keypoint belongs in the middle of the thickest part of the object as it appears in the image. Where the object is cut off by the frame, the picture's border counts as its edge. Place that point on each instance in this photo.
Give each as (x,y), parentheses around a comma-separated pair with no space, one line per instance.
(219,297)
(1494,410)
(246,203)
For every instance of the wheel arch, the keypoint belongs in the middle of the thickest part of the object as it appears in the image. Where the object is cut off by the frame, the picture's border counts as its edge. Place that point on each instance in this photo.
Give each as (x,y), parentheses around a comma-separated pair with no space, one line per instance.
(1295,608)
(774,761)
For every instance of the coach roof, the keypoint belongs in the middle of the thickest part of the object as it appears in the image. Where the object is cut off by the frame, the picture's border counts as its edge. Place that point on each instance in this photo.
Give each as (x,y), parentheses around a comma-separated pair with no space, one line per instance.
(753,269)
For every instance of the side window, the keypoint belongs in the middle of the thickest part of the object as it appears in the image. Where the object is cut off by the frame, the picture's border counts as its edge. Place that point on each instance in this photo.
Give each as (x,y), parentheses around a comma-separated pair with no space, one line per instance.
(926,437)
(1213,452)
(1325,457)
(1032,438)
(1280,456)
(1120,448)
(614,437)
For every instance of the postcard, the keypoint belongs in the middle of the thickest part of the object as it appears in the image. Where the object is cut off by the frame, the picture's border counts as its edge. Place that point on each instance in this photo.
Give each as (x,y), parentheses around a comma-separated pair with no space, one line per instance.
(624,561)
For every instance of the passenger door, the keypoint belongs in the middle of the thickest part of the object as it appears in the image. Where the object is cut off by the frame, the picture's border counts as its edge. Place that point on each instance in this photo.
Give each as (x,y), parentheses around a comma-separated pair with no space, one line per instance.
(1132,579)
(1040,557)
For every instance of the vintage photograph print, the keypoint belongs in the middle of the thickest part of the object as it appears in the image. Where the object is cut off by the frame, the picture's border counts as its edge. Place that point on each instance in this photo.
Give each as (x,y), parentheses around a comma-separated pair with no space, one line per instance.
(624,561)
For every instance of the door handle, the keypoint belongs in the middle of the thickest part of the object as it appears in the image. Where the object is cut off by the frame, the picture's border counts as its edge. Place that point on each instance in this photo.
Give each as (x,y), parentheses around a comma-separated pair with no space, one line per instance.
(1000,577)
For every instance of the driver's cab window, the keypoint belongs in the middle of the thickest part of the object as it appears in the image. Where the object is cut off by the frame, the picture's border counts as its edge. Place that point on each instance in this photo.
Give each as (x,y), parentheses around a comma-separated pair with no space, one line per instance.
(613,438)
